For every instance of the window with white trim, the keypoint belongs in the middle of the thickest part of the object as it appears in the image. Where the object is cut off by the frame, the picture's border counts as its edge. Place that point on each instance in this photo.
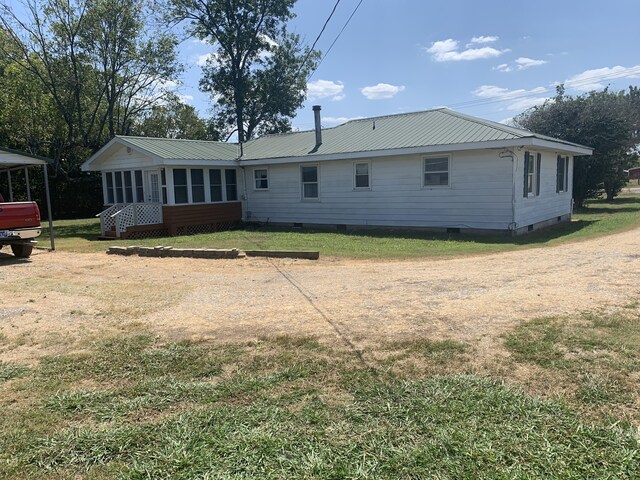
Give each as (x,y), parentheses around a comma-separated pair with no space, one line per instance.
(532,164)
(562,174)
(139,186)
(110,190)
(361,175)
(261,179)
(128,187)
(436,171)
(119,189)
(215,185)
(180,188)
(231,185)
(197,185)
(310,184)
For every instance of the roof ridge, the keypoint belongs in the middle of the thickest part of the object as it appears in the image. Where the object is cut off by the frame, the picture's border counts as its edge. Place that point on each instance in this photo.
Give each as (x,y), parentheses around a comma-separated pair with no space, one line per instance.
(416,112)
(141,137)
(488,123)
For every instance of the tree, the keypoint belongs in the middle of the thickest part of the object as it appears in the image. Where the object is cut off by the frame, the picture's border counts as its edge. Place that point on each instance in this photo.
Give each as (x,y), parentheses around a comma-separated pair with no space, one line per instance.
(174,119)
(98,59)
(259,70)
(606,121)
(76,73)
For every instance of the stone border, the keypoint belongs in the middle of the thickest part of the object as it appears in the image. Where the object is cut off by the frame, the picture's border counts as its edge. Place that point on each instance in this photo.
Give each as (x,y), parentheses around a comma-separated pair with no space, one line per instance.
(161,251)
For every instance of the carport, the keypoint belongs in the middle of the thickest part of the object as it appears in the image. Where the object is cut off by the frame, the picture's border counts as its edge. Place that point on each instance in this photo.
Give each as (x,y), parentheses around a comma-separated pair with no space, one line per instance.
(14,161)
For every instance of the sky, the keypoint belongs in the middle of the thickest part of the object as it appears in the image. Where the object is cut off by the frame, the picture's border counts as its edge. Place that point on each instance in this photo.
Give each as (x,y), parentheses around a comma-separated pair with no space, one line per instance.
(487,58)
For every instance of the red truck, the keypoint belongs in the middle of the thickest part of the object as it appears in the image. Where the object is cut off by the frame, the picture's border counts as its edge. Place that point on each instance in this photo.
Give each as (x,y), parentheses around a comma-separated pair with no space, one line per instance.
(19,226)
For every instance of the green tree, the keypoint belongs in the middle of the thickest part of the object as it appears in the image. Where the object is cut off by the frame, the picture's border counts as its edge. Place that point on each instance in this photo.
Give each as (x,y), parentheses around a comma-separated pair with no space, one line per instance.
(80,71)
(605,121)
(259,70)
(174,119)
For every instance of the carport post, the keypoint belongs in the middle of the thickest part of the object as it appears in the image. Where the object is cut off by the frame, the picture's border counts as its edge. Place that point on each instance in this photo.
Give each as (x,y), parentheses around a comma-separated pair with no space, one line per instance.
(10,186)
(26,177)
(46,189)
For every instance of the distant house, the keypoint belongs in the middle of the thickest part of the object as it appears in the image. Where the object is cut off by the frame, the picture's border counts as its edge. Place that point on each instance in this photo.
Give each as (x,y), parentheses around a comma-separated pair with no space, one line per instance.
(435,169)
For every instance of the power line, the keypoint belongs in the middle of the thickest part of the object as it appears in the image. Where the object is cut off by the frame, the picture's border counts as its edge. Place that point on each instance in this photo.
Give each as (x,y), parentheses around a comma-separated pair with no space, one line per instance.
(318,37)
(336,39)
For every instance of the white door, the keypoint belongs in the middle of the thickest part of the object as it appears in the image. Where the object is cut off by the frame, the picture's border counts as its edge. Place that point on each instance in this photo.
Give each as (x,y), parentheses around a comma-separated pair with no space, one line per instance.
(153,195)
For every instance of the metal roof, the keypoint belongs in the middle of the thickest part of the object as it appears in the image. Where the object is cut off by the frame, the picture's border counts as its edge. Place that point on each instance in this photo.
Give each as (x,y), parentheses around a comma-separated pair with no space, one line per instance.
(435,129)
(177,149)
(438,127)
(13,158)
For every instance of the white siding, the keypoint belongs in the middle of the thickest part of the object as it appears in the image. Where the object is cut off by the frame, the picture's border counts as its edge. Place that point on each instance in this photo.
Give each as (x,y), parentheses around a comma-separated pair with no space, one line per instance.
(479,196)
(122,160)
(549,204)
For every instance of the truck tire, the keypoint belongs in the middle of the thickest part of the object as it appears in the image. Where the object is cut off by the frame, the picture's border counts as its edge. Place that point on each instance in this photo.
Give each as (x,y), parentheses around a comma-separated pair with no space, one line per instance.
(21,250)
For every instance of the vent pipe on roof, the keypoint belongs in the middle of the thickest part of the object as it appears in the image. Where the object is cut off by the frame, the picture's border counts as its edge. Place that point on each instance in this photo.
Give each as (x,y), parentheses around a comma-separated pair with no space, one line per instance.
(316,115)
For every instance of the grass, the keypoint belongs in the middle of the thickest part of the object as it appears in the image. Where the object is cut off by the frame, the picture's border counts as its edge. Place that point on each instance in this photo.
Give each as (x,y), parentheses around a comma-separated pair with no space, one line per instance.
(139,406)
(594,359)
(599,218)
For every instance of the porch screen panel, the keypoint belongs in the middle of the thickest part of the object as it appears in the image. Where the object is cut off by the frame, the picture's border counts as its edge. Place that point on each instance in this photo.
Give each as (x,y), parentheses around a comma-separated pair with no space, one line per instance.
(197,185)
(128,187)
(110,190)
(180,185)
(231,185)
(139,187)
(119,190)
(215,185)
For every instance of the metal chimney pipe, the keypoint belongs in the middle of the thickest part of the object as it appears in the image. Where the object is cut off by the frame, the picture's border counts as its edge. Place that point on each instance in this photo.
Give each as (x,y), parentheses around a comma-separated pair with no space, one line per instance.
(316,114)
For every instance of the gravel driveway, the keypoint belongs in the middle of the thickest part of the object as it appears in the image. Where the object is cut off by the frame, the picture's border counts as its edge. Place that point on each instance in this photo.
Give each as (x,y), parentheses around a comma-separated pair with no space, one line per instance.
(59,301)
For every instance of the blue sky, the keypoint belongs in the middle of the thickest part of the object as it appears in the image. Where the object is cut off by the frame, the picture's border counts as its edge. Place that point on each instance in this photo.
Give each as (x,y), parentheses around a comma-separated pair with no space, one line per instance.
(491,58)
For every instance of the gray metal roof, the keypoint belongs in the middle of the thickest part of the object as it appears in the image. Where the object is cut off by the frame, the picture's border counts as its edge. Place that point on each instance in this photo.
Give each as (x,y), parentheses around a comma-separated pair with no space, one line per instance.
(436,129)
(176,149)
(409,130)
(13,158)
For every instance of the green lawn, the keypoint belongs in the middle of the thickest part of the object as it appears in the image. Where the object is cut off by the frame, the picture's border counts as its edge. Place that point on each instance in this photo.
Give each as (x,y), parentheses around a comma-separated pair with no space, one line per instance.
(598,219)
(142,407)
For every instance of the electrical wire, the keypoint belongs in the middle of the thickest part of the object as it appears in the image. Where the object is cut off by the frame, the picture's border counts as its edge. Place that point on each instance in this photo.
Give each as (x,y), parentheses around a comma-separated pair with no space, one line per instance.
(335,40)
(318,37)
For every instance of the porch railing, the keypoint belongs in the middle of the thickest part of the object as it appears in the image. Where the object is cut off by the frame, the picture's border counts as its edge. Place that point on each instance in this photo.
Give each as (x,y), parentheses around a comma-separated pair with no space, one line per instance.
(106,220)
(136,214)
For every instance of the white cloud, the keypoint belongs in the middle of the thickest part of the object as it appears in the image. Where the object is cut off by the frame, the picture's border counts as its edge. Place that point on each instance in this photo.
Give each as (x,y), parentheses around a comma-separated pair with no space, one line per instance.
(382,91)
(483,39)
(448,51)
(524,62)
(202,60)
(503,67)
(593,79)
(185,98)
(519,99)
(338,120)
(325,89)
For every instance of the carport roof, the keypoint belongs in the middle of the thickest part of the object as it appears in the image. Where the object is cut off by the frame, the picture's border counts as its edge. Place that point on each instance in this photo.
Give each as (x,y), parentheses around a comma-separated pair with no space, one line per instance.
(14,158)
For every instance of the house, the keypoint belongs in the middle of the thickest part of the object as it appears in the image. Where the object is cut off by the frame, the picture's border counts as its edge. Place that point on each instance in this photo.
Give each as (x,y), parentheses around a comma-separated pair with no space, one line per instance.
(435,169)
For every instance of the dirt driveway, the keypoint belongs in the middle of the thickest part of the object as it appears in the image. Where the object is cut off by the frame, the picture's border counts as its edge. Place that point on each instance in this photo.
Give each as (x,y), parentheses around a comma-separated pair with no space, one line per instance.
(60,301)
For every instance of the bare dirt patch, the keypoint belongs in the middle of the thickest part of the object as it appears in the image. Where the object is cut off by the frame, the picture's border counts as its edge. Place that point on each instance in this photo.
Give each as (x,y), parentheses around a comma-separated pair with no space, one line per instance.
(59,302)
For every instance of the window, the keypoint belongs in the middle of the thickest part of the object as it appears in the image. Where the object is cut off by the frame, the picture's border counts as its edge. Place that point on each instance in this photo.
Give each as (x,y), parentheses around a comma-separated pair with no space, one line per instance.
(562,174)
(215,185)
(309,177)
(128,187)
(231,185)
(197,185)
(361,175)
(261,179)
(436,172)
(180,185)
(110,190)
(163,181)
(139,187)
(119,191)
(532,162)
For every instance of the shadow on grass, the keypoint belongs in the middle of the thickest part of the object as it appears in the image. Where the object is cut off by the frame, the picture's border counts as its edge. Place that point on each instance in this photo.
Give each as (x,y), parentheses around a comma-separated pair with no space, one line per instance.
(536,237)
(80,230)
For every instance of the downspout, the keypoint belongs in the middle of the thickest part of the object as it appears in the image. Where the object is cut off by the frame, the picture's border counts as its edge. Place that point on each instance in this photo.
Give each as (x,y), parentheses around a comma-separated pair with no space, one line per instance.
(244,197)
(511,154)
